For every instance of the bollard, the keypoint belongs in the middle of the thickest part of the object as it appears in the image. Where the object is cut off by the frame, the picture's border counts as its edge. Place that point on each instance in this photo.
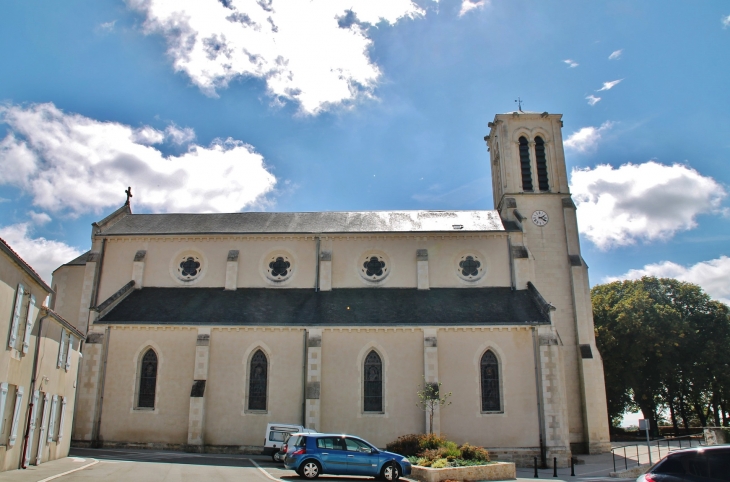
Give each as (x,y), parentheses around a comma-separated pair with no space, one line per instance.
(555,466)
(535,467)
(572,467)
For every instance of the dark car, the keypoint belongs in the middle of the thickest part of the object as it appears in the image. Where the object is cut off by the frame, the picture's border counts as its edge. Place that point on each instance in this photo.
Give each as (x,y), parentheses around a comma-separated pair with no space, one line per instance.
(700,464)
(313,454)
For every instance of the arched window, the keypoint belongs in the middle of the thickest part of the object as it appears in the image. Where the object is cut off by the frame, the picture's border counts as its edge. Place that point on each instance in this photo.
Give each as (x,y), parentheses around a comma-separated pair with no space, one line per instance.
(490,383)
(542,172)
(525,164)
(373,376)
(147,380)
(257,381)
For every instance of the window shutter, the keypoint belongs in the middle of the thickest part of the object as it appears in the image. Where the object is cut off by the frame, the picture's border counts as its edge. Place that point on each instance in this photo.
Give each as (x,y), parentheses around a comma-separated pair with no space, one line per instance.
(3,400)
(69,350)
(61,349)
(52,421)
(63,417)
(41,437)
(33,411)
(16,416)
(16,315)
(29,320)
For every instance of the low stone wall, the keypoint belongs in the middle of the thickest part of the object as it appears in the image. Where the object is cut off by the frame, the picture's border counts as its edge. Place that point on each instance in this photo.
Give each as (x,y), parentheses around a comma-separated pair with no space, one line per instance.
(202,449)
(493,471)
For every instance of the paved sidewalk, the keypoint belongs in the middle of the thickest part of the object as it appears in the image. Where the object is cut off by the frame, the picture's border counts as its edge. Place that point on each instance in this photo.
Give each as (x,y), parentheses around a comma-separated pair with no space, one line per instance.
(48,470)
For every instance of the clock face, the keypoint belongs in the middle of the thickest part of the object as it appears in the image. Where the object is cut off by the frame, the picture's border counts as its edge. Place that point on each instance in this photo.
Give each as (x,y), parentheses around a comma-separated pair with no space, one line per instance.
(540,218)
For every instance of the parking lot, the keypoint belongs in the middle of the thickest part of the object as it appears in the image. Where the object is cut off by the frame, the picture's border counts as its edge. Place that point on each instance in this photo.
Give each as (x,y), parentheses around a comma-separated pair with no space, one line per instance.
(113,465)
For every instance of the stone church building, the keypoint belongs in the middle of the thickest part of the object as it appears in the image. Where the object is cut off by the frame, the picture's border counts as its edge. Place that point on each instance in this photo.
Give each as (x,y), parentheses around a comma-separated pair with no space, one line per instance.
(202,328)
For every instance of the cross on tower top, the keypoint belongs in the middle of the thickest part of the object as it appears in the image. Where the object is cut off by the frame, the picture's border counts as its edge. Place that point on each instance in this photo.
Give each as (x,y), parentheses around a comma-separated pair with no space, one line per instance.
(519,104)
(128,192)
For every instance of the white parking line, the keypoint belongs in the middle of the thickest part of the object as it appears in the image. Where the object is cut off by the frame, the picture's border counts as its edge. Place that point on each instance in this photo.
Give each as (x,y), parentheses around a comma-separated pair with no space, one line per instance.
(264,472)
(68,472)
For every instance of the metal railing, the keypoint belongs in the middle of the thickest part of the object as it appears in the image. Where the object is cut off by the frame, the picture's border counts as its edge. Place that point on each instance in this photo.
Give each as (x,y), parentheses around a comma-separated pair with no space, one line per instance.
(669,444)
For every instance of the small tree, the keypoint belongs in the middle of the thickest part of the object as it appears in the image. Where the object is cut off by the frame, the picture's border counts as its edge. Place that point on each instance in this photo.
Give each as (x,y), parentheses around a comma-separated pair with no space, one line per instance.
(429,399)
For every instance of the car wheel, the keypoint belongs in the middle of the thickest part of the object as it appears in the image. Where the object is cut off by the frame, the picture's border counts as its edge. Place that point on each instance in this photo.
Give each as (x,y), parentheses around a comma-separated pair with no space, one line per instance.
(391,472)
(275,457)
(310,469)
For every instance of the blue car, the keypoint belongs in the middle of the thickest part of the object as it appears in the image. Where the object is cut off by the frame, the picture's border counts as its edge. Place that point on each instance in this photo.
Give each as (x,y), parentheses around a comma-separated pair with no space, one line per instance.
(311,454)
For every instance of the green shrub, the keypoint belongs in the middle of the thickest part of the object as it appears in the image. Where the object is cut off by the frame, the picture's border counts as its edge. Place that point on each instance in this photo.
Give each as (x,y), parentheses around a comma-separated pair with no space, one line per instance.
(406,445)
(450,449)
(470,452)
(440,464)
(431,441)
(424,462)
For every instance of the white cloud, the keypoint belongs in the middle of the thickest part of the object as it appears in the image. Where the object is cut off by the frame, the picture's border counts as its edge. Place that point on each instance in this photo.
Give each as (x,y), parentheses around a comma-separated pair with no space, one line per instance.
(647,202)
(571,63)
(593,100)
(107,26)
(71,163)
(609,85)
(469,5)
(43,255)
(39,218)
(726,22)
(179,136)
(586,139)
(712,275)
(312,52)
(616,54)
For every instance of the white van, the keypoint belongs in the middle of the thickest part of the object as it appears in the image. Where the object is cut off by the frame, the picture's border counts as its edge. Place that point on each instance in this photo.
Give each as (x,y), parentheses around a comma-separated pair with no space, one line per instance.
(276,435)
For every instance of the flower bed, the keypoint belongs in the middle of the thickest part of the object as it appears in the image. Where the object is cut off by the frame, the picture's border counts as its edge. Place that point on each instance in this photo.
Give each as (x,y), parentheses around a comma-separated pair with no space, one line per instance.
(436,459)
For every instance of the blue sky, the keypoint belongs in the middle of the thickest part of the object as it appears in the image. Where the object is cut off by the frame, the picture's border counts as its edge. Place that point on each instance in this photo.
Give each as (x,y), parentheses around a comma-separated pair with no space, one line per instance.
(228,105)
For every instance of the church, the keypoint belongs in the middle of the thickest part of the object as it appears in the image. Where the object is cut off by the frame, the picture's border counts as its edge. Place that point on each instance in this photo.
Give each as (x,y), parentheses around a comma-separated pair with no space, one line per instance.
(202,328)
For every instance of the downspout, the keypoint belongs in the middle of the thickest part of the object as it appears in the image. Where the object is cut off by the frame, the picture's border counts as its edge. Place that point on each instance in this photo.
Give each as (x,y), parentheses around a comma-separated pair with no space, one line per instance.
(316,268)
(96,435)
(304,379)
(538,386)
(30,394)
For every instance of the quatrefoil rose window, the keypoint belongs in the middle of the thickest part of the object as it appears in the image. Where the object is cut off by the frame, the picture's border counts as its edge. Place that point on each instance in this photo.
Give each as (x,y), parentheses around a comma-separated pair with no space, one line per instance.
(279,267)
(470,267)
(374,266)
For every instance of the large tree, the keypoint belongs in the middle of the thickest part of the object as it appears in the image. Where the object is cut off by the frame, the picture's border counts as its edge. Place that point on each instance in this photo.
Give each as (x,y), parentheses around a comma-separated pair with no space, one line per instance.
(665,347)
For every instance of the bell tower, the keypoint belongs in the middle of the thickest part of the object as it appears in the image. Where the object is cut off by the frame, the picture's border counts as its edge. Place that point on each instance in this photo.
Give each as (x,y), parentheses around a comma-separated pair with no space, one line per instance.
(531,194)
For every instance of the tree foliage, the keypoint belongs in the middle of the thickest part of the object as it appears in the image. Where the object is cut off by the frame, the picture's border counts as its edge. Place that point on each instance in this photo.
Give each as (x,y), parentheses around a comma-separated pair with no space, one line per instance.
(430,398)
(666,347)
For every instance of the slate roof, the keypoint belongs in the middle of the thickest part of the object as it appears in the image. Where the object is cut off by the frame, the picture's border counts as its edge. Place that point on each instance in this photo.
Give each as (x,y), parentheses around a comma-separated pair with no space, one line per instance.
(314,222)
(80,261)
(305,307)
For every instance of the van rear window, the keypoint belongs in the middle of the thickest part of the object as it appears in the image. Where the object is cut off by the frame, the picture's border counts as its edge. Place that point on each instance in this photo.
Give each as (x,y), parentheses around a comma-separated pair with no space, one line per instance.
(276,436)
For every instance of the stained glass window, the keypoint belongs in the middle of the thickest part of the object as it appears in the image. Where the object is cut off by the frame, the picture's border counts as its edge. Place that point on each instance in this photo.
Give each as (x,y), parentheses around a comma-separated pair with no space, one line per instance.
(257,382)
(148,380)
(374,267)
(279,267)
(469,266)
(525,164)
(373,383)
(490,383)
(542,172)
